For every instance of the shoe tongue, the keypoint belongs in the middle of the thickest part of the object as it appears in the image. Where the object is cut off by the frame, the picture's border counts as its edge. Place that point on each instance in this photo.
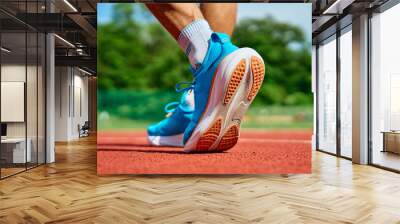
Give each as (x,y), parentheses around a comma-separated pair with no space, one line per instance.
(187,101)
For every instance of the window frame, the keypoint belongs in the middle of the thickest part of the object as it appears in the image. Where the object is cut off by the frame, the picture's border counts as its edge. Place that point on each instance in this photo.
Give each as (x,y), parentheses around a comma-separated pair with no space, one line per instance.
(339,32)
(381,9)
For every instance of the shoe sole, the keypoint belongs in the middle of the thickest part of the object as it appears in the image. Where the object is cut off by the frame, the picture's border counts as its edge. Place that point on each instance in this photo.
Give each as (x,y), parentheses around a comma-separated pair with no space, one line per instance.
(173,140)
(240,76)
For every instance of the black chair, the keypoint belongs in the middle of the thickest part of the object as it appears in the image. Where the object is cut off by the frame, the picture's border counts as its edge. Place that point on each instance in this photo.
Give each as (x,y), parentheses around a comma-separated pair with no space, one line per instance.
(84,130)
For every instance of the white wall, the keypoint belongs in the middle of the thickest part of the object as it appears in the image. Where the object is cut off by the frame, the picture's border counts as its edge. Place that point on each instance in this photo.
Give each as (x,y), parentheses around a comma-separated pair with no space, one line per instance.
(13,101)
(71,94)
(33,126)
(80,110)
(62,82)
(12,73)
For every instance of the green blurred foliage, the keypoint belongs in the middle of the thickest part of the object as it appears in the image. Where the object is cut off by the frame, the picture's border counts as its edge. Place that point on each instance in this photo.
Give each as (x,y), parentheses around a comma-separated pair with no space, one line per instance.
(143,57)
(135,105)
(138,56)
(287,58)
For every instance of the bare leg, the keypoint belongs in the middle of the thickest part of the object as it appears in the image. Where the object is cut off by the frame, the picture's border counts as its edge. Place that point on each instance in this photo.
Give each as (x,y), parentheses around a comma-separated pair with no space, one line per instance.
(194,40)
(175,16)
(220,16)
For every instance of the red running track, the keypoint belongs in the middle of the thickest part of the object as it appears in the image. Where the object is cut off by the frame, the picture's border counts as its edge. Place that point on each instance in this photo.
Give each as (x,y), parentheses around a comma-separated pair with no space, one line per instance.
(257,152)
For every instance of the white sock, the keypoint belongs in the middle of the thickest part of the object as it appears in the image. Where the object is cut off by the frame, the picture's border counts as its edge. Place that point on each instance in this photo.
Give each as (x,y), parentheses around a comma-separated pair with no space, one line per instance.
(193,40)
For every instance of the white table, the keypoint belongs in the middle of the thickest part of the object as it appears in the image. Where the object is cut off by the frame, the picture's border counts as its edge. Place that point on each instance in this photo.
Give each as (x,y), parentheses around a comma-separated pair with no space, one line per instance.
(18,149)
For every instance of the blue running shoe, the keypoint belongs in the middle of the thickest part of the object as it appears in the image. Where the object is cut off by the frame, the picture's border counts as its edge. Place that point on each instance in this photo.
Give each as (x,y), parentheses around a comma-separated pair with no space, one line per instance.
(224,85)
(169,132)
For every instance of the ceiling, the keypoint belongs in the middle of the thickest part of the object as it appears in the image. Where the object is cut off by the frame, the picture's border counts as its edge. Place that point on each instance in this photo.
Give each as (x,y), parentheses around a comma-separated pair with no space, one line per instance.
(330,15)
(74,22)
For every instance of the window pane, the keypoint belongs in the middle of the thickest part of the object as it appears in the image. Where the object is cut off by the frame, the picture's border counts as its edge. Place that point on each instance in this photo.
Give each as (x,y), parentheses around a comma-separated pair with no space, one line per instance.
(14,153)
(41,98)
(385,86)
(31,96)
(22,88)
(327,96)
(346,94)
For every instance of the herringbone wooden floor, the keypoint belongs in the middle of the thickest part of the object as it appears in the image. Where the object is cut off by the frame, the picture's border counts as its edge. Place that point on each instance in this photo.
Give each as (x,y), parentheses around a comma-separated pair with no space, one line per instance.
(69,191)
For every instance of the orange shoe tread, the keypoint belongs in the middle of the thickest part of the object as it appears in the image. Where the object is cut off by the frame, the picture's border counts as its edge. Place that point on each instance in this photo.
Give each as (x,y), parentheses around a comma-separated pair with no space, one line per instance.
(229,139)
(209,137)
(258,71)
(235,80)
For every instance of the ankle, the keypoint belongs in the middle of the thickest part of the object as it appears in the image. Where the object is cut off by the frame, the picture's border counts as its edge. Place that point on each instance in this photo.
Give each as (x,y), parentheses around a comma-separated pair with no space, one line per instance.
(194,40)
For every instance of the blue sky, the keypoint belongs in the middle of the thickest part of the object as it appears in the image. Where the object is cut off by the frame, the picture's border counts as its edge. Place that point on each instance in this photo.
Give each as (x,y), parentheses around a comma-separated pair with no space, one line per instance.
(298,14)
